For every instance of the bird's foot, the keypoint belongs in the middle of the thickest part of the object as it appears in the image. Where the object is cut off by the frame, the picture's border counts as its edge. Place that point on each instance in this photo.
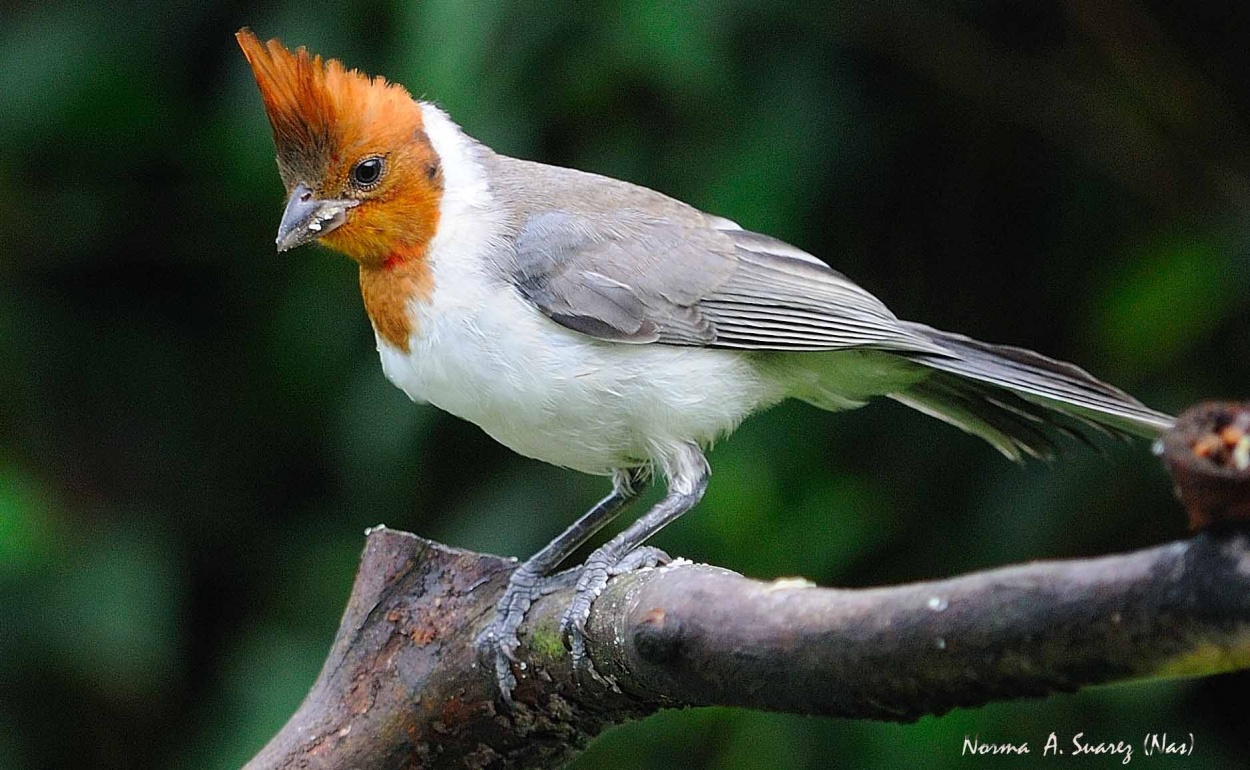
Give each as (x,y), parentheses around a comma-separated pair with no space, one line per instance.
(498,642)
(601,566)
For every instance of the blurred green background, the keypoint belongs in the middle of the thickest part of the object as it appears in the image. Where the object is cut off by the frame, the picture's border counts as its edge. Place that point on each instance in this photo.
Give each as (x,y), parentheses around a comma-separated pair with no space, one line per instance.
(194,431)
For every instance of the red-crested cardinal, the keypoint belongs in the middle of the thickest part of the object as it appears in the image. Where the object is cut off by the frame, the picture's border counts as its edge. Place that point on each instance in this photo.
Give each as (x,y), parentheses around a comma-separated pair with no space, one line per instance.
(605,327)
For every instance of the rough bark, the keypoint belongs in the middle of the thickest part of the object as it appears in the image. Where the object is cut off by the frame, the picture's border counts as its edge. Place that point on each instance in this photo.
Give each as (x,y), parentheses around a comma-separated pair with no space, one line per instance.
(403,686)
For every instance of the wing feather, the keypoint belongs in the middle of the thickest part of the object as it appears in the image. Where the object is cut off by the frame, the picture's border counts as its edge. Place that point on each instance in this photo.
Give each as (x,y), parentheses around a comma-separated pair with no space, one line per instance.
(629,278)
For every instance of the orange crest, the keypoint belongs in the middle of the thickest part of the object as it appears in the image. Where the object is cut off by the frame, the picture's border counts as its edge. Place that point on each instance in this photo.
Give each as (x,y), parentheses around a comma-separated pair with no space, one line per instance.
(318,109)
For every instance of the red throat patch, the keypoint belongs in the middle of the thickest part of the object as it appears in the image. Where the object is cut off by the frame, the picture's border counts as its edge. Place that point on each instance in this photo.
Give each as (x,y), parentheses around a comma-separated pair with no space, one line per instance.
(389,291)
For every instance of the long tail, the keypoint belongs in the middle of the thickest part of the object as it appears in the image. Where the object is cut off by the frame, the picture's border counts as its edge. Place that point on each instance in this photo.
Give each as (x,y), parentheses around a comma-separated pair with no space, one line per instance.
(1019,400)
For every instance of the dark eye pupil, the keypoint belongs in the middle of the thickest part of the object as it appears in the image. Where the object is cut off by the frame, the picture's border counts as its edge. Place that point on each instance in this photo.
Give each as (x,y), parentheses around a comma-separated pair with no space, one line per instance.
(368,171)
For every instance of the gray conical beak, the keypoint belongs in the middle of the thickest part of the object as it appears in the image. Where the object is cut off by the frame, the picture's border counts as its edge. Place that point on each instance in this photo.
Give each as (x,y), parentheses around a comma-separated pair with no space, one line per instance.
(307,218)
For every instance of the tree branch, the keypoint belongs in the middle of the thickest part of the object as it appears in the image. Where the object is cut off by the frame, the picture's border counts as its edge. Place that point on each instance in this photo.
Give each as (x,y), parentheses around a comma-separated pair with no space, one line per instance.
(403,687)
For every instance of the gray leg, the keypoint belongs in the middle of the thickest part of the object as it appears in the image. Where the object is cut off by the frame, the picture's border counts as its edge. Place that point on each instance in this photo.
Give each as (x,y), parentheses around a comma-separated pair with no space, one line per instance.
(525,584)
(687,482)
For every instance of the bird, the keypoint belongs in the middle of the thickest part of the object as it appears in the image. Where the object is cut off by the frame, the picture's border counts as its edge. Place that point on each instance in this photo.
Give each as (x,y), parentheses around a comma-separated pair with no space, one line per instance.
(607,328)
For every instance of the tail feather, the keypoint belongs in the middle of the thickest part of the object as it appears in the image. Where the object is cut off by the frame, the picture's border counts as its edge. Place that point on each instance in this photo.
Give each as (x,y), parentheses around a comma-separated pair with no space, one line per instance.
(1019,400)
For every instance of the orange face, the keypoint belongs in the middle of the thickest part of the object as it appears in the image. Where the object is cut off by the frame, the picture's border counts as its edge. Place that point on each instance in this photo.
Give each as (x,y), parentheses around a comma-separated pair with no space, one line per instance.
(353,155)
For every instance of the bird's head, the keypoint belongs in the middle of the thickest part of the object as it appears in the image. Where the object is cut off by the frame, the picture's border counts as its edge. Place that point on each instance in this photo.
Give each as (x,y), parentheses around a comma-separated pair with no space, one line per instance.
(359,171)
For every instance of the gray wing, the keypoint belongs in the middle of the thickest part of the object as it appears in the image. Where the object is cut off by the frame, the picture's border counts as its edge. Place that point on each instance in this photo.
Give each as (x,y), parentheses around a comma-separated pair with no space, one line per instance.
(638,279)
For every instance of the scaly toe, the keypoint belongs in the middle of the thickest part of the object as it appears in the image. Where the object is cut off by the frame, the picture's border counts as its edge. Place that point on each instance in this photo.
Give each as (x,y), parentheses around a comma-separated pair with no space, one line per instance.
(573,626)
(599,568)
(498,642)
(642,557)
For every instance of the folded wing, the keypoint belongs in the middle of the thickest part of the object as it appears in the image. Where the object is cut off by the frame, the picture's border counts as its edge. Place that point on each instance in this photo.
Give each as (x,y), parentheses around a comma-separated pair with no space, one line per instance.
(627,278)
(633,279)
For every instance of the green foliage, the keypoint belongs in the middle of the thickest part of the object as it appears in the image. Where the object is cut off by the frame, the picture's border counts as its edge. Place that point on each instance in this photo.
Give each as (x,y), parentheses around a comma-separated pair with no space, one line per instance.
(194,431)
(1170,302)
(25,539)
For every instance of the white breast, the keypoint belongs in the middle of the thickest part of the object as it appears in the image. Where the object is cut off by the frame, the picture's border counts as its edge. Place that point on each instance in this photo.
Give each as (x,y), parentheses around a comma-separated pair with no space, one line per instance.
(483,353)
(558,396)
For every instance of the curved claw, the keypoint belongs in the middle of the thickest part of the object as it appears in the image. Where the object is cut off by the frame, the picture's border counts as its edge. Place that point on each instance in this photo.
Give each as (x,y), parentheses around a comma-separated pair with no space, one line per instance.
(573,628)
(497,652)
(499,643)
(499,639)
(599,568)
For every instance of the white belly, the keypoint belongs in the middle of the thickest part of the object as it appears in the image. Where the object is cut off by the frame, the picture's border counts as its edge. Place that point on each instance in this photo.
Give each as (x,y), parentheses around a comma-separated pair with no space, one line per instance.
(565,398)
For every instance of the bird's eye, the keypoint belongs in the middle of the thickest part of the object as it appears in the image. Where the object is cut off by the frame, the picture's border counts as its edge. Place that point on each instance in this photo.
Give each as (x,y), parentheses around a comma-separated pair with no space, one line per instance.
(367,173)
